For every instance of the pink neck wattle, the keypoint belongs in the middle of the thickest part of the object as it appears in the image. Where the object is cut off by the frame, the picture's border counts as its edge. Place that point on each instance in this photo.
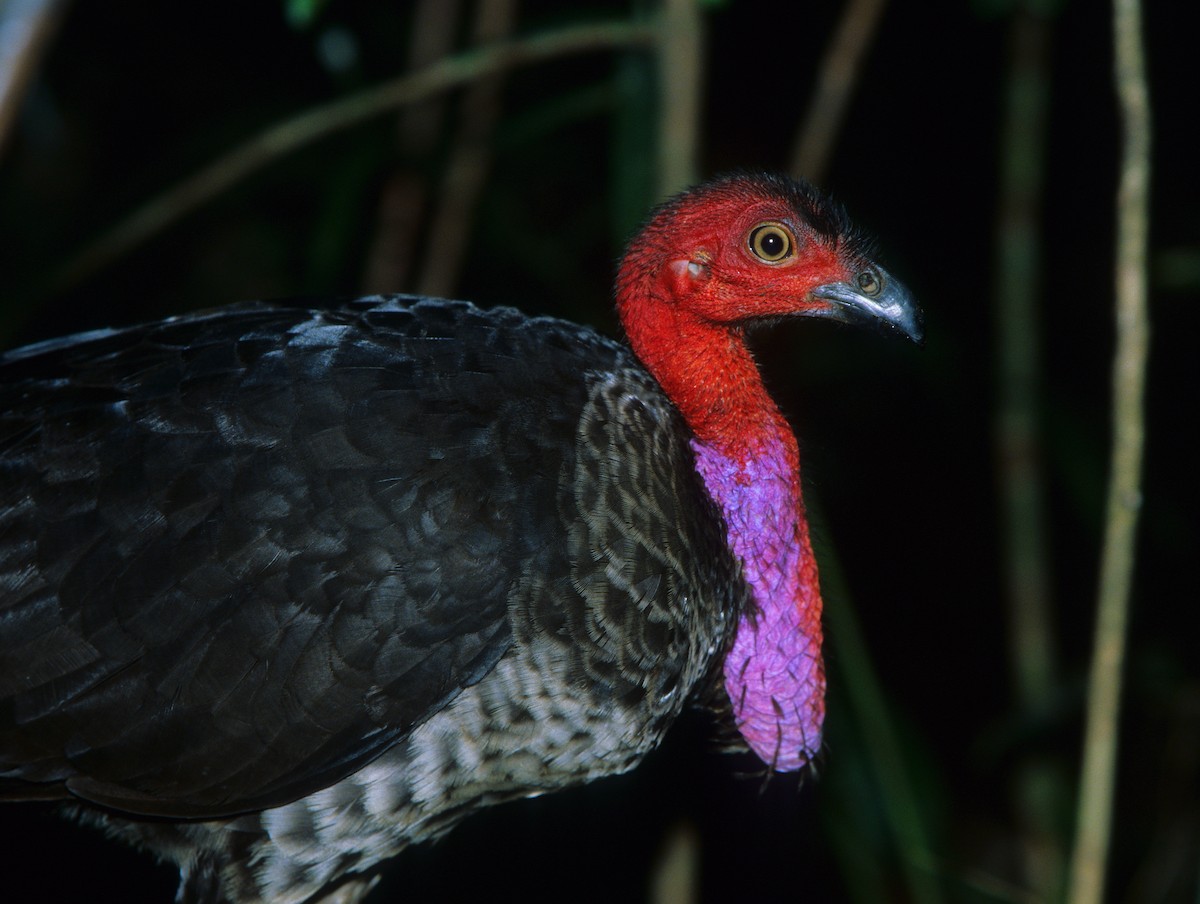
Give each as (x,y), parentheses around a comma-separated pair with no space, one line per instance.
(773,673)
(747,457)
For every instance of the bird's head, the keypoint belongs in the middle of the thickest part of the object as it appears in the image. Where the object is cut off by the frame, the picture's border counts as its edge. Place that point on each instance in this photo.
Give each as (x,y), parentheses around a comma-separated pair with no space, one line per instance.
(729,253)
(736,251)
(751,247)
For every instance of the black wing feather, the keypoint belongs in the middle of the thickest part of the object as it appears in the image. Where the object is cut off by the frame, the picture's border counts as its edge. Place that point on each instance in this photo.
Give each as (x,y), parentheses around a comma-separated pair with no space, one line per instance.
(241,553)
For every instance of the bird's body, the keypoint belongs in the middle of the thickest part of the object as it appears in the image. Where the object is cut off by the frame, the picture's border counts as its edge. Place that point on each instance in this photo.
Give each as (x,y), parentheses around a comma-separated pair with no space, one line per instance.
(283,591)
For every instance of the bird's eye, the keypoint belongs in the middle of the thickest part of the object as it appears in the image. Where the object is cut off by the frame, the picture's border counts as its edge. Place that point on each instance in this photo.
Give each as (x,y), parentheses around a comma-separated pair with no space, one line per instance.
(870,282)
(771,242)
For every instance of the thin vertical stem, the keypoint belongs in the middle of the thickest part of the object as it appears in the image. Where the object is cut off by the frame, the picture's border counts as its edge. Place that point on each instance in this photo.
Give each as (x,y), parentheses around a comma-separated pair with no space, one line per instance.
(1018,438)
(1094,817)
(26,27)
(901,800)
(1018,435)
(468,158)
(835,84)
(676,876)
(395,251)
(680,77)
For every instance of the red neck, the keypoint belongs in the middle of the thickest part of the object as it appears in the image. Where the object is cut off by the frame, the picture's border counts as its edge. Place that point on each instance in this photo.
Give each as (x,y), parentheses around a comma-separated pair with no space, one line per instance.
(704,367)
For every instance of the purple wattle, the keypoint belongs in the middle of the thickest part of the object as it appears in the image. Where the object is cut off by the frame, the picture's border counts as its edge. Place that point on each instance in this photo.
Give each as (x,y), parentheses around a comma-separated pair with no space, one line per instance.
(773,672)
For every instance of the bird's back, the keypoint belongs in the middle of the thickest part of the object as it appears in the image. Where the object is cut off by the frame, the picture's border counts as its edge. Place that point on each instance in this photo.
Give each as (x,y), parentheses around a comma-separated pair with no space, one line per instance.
(368,567)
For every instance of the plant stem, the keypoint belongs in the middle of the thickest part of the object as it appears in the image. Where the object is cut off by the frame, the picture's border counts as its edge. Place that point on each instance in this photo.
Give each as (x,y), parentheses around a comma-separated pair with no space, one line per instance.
(680,76)
(1094,816)
(835,83)
(299,131)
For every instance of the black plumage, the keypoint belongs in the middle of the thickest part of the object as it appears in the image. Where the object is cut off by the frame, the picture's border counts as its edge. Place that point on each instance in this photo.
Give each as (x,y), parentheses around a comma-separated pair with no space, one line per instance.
(245,553)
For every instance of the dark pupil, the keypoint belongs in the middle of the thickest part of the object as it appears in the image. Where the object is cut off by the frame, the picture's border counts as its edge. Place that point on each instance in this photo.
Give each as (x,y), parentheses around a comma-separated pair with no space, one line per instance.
(771,244)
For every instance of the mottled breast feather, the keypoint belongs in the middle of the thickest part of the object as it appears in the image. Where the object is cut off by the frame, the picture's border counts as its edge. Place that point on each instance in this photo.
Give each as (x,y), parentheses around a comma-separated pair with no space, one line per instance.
(244,553)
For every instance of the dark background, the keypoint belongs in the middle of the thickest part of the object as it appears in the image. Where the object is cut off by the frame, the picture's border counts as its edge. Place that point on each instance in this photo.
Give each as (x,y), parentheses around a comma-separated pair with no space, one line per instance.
(897,441)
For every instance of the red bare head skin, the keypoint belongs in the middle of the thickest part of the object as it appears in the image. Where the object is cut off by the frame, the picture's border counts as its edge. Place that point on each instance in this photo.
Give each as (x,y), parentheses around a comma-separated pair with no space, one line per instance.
(708,262)
(739,249)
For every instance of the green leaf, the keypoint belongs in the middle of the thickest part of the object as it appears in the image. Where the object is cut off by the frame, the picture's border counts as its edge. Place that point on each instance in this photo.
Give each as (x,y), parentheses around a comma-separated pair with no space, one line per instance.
(301,13)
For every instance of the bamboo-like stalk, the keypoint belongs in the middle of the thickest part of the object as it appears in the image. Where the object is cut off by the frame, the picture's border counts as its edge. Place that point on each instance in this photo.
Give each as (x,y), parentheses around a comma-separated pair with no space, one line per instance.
(834,87)
(1018,440)
(1093,828)
(884,750)
(26,27)
(395,248)
(468,160)
(1017,427)
(680,79)
(676,875)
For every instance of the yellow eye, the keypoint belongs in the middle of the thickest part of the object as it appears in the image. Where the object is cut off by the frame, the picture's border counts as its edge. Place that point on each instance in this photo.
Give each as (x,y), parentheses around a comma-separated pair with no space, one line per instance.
(771,242)
(870,282)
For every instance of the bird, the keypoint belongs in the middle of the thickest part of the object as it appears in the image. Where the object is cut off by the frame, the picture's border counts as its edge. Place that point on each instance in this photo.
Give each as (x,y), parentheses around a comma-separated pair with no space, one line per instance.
(285,590)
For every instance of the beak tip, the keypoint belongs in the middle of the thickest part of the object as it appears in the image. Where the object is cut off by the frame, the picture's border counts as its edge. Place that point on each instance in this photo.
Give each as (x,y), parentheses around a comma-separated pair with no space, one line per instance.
(914,329)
